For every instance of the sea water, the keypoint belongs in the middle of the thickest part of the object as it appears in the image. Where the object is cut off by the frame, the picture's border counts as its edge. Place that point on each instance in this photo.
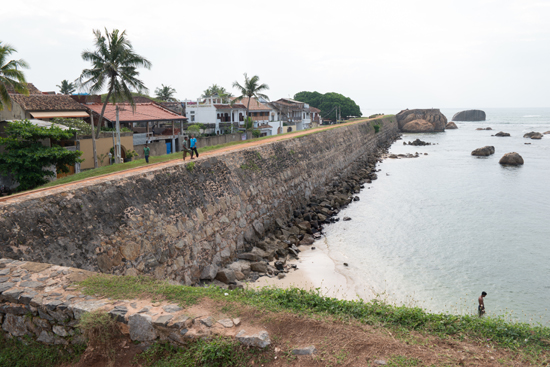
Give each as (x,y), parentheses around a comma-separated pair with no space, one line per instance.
(437,230)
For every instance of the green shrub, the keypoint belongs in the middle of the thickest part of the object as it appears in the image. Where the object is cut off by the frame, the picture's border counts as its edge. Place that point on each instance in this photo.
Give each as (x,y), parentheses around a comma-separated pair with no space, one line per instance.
(376,128)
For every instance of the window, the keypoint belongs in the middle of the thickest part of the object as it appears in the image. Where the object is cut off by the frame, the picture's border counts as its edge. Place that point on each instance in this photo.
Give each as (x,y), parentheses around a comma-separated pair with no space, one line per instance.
(192,118)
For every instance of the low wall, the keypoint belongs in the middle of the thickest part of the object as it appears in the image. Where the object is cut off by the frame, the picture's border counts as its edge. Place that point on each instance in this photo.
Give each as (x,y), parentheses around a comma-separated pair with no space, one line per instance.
(103,145)
(209,141)
(158,148)
(183,222)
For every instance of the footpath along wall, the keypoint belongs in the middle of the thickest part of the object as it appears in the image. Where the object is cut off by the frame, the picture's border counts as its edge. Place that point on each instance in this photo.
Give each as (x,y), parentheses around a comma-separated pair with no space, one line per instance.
(185,222)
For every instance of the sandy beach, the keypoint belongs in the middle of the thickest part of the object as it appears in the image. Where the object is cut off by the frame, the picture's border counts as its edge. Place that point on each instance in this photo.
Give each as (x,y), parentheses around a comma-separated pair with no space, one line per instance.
(316,269)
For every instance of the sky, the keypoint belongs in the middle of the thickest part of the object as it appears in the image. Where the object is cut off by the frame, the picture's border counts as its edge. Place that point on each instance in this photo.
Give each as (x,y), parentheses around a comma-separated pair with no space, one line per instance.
(386,54)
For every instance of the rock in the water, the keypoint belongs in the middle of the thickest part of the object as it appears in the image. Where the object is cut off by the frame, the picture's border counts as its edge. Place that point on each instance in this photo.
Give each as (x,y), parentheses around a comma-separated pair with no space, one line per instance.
(419,143)
(451,125)
(484,128)
(433,117)
(485,151)
(512,159)
(547,132)
(470,115)
(345,219)
(307,351)
(533,135)
(502,133)
(260,339)
(141,327)
(418,126)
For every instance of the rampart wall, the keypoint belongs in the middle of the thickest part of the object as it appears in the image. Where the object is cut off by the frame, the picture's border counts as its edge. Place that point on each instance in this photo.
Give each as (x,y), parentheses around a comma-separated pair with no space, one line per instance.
(184,222)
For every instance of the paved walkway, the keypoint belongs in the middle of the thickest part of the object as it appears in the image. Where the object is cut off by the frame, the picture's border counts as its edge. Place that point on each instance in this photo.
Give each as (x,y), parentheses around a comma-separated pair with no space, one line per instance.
(158,166)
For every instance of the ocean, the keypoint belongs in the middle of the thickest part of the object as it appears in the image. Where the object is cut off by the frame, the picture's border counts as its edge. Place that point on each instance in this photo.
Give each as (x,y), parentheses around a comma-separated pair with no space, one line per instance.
(437,230)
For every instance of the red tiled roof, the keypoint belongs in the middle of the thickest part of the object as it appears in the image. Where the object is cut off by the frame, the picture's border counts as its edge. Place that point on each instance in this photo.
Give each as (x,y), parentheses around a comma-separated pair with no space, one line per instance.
(228,107)
(32,89)
(142,112)
(265,126)
(47,102)
(313,109)
(254,104)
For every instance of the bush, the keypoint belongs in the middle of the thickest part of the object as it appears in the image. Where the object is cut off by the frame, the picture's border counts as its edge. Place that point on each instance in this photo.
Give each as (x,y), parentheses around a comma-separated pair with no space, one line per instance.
(256,133)
(194,129)
(83,127)
(376,129)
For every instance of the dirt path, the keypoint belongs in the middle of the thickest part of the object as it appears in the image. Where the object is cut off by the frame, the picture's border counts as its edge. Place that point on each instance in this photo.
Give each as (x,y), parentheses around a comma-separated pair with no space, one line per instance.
(157,166)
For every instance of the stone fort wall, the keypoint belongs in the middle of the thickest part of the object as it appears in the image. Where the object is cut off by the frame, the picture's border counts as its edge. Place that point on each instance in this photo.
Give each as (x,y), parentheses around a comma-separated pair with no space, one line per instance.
(184,222)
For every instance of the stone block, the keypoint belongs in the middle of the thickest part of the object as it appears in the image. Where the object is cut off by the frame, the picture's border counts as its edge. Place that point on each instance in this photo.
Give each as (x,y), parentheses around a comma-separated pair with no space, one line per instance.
(141,327)
(15,325)
(85,306)
(226,276)
(209,272)
(260,339)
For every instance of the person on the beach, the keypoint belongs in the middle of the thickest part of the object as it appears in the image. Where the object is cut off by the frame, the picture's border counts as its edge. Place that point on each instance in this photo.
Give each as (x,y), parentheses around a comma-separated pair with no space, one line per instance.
(481,306)
(185,147)
(146,152)
(193,146)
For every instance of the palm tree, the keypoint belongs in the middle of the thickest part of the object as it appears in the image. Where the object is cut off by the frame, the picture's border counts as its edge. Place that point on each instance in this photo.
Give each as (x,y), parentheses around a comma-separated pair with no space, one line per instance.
(216,91)
(11,77)
(114,64)
(66,87)
(166,93)
(251,88)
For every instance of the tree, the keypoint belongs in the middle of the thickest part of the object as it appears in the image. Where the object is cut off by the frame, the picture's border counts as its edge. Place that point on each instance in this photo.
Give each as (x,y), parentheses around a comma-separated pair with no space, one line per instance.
(114,63)
(216,91)
(327,103)
(251,88)
(166,93)
(194,129)
(11,77)
(28,160)
(66,87)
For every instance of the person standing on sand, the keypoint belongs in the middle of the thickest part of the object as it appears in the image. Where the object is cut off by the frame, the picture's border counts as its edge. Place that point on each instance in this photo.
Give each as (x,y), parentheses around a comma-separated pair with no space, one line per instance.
(481,306)
(193,144)
(146,152)
(185,147)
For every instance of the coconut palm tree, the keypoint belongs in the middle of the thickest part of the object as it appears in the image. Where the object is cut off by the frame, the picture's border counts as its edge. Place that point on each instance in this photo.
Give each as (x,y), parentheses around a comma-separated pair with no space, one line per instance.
(11,76)
(216,91)
(114,64)
(251,88)
(66,87)
(166,93)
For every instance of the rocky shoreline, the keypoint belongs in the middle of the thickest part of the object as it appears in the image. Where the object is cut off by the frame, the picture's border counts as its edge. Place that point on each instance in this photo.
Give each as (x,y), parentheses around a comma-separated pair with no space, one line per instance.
(269,257)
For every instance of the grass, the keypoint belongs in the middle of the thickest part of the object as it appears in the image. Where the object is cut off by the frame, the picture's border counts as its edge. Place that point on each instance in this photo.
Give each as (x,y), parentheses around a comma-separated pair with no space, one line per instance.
(28,353)
(168,157)
(216,352)
(490,330)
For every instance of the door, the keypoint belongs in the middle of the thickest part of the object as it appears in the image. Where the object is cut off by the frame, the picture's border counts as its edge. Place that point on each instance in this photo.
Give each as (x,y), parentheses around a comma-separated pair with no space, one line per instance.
(168,148)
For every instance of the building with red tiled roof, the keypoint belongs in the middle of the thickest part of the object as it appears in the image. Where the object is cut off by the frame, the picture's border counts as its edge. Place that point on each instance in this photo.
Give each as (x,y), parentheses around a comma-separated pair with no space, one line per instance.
(142,112)
(43,107)
(217,114)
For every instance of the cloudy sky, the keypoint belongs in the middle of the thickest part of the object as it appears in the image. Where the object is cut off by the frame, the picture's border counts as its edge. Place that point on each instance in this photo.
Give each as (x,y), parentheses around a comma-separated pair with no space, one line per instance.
(386,54)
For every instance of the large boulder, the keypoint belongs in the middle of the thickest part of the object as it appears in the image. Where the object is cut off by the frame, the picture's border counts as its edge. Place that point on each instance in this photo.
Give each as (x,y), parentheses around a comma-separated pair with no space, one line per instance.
(485,151)
(511,159)
(451,125)
(433,117)
(418,126)
(533,135)
(470,115)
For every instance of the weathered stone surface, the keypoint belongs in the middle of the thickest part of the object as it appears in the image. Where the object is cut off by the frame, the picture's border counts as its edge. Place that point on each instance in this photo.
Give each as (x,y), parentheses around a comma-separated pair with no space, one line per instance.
(172,308)
(15,325)
(181,321)
(451,126)
(418,126)
(259,267)
(260,339)
(46,337)
(5,286)
(249,257)
(470,115)
(141,327)
(163,320)
(60,330)
(80,308)
(227,323)
(423,118)
(226,276)
(307,351)
(511,159)
(209,321)
(485,151)
(209,272)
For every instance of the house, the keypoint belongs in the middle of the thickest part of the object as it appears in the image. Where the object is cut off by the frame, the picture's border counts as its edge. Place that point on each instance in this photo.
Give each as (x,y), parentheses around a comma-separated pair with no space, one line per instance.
(150,122)
(292,112)
(38,105)
(215,113)
(315,115)
(262,115)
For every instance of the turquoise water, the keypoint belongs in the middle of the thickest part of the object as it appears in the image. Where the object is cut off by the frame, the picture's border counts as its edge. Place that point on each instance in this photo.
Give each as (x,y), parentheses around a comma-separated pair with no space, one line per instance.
(437,230)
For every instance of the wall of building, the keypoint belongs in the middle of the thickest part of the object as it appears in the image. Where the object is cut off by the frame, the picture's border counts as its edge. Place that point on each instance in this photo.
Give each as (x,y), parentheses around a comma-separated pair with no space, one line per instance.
(184,221)
(103,145)
(16,113)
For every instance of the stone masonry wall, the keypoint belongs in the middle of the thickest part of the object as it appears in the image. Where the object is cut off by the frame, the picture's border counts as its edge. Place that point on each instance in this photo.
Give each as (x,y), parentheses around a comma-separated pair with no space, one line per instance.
(184,222)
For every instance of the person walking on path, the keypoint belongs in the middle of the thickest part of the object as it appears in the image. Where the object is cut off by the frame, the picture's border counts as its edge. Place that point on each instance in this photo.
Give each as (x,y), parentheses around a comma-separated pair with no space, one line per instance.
(193,144)
(481,306)
(146,152)
(185,147)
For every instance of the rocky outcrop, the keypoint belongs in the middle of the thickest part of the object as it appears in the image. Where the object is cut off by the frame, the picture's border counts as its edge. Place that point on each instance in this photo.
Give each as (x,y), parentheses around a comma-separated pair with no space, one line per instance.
(502,133)
(511,159)
(533,135)
(451,125)
(470,115)
(485,151)
(418,143)
(547,132)
(420,120)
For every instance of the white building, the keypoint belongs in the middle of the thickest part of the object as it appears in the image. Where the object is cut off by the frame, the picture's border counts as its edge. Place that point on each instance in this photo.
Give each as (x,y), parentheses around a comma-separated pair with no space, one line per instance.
(218,115)
(292,112)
